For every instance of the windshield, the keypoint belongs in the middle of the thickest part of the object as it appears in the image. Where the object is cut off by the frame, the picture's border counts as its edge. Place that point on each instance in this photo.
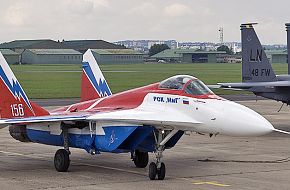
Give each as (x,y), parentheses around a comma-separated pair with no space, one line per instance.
(176,82)
(196,87)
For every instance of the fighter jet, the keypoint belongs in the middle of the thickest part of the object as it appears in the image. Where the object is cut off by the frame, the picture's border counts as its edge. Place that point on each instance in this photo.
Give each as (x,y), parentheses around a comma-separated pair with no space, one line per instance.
(257,73)
(147,119)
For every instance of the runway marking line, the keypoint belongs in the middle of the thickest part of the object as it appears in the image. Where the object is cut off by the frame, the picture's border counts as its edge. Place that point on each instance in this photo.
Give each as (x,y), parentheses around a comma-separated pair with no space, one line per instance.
(110,168)
(214,183)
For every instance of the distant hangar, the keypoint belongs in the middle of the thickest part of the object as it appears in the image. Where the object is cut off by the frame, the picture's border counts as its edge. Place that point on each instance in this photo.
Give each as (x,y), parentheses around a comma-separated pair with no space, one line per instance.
(118,56)
(188,56)
(70,52)
(51,56)
(11,56)
(277,56)
(66,52)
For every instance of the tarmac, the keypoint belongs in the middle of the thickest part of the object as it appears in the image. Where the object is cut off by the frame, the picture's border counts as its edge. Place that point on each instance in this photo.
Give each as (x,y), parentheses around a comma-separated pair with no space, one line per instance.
(196,162)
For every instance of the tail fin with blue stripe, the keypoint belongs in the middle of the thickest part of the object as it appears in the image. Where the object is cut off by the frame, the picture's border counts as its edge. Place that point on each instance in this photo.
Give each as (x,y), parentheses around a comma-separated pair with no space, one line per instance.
(94,84)
(14,102)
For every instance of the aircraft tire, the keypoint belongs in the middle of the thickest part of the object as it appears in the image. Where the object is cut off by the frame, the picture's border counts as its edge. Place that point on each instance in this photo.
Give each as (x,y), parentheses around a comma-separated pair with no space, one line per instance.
(152,171)
(141,159)
(161,172)
(61,160)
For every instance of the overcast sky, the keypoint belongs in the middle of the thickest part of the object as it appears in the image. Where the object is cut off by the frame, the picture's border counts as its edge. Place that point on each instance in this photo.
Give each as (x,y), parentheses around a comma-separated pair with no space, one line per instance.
(112,20)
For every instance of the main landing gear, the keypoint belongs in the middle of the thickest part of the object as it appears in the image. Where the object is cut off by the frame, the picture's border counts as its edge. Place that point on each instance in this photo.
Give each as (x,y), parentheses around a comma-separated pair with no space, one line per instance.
(158,168)
(140,159)
(61,157)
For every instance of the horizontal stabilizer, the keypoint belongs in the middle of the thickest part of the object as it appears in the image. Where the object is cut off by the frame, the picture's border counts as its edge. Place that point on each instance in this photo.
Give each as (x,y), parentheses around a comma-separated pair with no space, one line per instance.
(218,86)
(40,119)
(247,85)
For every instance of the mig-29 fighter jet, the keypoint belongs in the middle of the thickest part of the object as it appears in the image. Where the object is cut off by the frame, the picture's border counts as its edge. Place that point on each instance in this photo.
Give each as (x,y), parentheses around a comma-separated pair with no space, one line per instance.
(147,119)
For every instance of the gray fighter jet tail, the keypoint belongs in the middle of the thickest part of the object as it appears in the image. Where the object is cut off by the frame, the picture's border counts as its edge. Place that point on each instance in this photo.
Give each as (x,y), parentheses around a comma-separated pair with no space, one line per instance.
(258,75)
(256,66)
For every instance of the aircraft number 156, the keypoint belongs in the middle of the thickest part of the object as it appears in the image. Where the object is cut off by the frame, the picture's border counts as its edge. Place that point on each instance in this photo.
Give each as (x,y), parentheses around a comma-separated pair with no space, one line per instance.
(17,110)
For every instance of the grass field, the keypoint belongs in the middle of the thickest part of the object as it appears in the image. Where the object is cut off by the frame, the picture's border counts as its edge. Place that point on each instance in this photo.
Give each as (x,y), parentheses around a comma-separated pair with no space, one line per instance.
(63,81)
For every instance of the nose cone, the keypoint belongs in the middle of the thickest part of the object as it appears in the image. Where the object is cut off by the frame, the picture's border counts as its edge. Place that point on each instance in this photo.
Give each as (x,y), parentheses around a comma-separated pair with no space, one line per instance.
(242,121)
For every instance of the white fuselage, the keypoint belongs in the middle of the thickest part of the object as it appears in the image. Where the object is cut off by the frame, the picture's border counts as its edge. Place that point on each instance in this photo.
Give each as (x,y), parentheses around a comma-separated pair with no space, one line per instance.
(213,116)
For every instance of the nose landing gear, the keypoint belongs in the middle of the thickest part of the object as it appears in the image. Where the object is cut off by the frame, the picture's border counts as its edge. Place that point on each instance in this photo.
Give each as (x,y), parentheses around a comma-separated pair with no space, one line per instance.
(158,169)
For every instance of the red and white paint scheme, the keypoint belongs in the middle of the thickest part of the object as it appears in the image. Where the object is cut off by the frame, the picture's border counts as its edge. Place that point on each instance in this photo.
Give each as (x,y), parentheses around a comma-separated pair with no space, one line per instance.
(146,119)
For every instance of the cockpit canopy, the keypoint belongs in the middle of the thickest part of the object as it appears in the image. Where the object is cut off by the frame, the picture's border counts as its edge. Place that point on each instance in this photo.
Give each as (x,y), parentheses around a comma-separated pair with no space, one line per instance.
(189,84)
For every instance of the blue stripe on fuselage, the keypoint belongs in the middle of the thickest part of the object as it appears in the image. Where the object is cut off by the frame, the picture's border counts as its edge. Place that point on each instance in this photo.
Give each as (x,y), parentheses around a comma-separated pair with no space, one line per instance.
(110,142)
(75,140)
(117,139)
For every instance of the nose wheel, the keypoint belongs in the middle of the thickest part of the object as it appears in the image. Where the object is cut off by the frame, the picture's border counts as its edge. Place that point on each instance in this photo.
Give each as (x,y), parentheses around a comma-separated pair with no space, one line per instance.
(154,171)
(158,169)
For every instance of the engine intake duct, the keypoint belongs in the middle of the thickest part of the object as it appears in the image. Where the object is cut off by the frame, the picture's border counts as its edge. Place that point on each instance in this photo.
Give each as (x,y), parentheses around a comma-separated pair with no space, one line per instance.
(19,133)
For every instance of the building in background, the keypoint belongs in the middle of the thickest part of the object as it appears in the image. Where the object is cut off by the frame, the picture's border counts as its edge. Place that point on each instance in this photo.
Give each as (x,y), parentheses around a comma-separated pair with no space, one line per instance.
(188,56)
(277,56)
(56,52)
(226,58)
(110,53)
(83,45)
(143,46)
(20,45)
(51,56)
(10,56)
(118,56)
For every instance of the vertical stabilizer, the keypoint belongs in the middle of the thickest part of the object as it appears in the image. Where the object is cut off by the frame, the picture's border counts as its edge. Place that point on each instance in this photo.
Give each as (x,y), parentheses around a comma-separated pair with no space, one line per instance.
(255,64)
(288,45)
(94,84)
(14,102)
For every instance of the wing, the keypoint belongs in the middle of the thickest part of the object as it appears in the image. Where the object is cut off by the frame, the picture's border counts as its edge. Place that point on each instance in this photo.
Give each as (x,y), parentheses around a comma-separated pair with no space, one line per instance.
(154,117)
(159,118)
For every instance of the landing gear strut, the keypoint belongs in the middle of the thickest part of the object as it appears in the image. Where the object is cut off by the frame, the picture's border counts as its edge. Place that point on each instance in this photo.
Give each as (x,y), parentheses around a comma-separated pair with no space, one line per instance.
(61,157)
(140,159)
(158,168)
